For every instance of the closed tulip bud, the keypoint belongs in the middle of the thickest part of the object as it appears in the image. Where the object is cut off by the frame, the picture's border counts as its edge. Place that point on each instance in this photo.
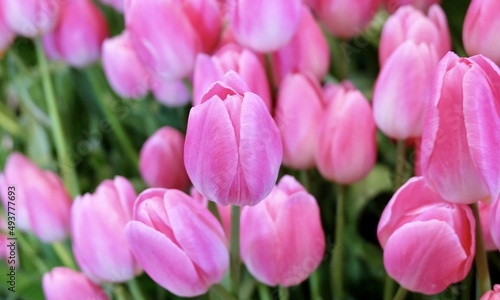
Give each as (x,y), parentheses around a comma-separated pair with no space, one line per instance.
(97,227)
(233,148)
(206,17)
(178,242)
(224,211)
(423,5)
(428,243)
(264,26)
(299,110)
(494,222)
(403,89)
(484,213)
(42,203)
(480,34)
(161,160)
(493,294)
(287,224)
(461,134)
(171,93)
(409,23)
(347,149)
(30,18)
(63,283)
(78,35)
(346,19)
(116,4)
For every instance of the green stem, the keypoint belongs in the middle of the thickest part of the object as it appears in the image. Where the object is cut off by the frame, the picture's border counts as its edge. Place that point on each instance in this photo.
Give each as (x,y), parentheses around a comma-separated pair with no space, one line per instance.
(119,292)
(221,292)
(401,294)
(314,283)
(235,249)
(483,275)
(264,293)
(64,255)
(134,289)
(10,125)
(26,247)
(338,255)
(65,163)
(212,207)
(340,60)
(284,294)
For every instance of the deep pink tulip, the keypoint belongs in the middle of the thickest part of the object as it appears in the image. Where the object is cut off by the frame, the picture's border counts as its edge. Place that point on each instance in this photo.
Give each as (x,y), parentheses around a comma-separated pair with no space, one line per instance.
(161,161)
(42,203)
(461,134)
(63,283)
(178,242)
(97,227)
(307,52)
(423,5)
(428,243)
(233,148)
(287,225)
(116,4)
(264,26)
(403,89)
(409,23)
(231,57)
(493,294)
(299,110)
(347,149)
(494,222)
(484,214)
(480,34)
(345,18)
(31,17)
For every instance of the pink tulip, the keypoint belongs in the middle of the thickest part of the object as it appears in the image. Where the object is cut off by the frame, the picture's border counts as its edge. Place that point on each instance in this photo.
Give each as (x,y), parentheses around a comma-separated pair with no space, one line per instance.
(403,89)
(299,110)
(428,243)
(231,57)
(461,134)
(171,93)
(344,18)
(97,227)
(492,295)
(287,225)
(224,211)
(233,148)
(409,23)
(178,242)
(264,26)
(480,34)
(423,5)
(6,34)
(307,52)
(161,160)
(63,283)
(494,223)
(116,4)
(347,149)
(484,214)
(30,18)
(41,202)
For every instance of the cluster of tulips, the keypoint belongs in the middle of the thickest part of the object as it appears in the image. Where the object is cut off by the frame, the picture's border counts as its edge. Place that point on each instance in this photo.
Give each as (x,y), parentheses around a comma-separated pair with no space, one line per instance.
(222,201)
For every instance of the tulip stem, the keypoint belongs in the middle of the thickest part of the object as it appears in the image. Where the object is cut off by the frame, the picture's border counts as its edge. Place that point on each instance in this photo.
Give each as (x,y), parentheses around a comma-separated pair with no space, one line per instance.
(483,275)
(314,285)
(284,294)
(134,289)
(64,255)
(338,255)
(235,248)
(264,292)
(26,247)
(119,292)
(65,164)
(401,294)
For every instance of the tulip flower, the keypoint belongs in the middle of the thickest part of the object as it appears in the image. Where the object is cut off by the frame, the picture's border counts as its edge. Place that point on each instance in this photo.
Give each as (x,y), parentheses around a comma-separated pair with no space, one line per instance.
(403,89)
(423,5)
(307,52)
(480,33)
(299,109)
(461,134)
(42,204)
(494,223)
(264,26)
(484,214)
(409,23)
(97,227)
(287,225)
(178,242)
(161,160)
(346,150)
(344,18)
(428,243)
(492,295)
(6,34)
(116,4)
(30,18)
(233,148)
(63,283)
(171,93)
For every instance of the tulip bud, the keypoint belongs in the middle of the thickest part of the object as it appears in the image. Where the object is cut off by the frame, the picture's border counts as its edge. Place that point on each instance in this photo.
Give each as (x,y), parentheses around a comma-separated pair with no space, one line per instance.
(423,5)
(409,23)
(97,227)
(116,4)
(494,222)
(171,93)
(403,89)
(63,283)
(78,35)
(347,148)
(480,34)
(428,243)
(178,242)
(233,148)
(492,295)
(299,110)
(264,26)
(287,224)
(344,18)
(161,160)
(42,204)
(461,134)
(30,18)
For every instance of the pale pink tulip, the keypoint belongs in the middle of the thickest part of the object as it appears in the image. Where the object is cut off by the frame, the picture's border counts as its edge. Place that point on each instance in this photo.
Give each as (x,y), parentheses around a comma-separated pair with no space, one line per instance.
(492,295)
(6,34)
(170,93)
(484,214)
(30,18)
(63,283)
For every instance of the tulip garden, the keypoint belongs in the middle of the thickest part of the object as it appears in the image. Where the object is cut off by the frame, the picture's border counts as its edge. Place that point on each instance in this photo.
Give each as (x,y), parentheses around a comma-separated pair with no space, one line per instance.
(249,149)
